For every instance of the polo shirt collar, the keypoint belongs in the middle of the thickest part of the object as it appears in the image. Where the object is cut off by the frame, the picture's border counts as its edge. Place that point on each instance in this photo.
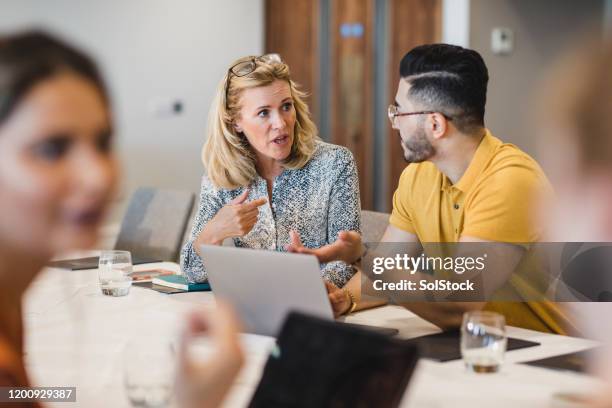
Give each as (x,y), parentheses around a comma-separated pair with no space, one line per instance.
(483,153)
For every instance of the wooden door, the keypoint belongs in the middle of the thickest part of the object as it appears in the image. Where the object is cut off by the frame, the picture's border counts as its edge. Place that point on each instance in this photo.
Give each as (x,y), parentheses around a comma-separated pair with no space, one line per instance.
(291,30)
(352,86)
(411,23)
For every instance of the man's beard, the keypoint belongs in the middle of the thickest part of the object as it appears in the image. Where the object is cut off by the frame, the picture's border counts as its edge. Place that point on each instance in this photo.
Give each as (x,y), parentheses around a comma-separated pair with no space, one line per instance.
(418,149)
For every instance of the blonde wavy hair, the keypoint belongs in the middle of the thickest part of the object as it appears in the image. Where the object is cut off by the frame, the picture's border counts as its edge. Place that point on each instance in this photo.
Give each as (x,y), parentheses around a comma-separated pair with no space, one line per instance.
(227,155)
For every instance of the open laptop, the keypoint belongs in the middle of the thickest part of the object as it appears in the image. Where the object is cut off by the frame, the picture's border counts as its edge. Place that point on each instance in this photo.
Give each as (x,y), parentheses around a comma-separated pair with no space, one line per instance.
(264,286)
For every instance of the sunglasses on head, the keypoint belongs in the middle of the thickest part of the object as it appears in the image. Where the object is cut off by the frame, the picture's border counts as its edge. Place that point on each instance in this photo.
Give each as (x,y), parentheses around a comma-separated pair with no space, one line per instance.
(244,68)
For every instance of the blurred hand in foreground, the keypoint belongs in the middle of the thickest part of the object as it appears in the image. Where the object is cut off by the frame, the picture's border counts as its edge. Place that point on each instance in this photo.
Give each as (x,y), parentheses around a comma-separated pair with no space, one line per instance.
(204,384)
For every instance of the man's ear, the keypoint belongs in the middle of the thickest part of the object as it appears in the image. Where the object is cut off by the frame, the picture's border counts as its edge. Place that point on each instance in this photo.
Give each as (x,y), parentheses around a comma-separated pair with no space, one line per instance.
(439,125)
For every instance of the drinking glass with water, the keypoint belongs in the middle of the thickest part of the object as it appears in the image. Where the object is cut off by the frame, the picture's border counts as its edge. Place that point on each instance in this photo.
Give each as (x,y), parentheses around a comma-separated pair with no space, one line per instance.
(483,341)
(114,269)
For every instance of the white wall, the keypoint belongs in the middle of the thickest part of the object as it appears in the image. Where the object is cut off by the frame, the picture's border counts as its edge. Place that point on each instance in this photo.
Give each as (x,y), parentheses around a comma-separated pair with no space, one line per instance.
(456,22)
(150,49)
(543,30)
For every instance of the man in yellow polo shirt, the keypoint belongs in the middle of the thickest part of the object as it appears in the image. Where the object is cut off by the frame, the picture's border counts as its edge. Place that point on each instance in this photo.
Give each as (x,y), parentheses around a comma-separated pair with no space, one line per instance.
(462,184)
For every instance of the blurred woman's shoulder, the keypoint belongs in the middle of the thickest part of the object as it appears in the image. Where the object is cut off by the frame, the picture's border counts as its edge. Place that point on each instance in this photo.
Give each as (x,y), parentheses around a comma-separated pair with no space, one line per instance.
(12,371)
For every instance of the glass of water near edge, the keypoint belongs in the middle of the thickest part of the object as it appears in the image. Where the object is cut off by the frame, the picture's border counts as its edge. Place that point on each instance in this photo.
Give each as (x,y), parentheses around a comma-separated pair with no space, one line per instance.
(483,341)
(114,269)
(149,370)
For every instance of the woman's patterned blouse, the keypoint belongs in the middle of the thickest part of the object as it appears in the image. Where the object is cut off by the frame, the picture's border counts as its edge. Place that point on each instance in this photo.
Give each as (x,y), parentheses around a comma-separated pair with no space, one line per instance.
(318,201)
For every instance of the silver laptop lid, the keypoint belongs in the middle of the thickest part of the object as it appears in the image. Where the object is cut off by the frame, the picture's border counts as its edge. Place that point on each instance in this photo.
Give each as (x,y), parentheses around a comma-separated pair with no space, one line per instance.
(265,285)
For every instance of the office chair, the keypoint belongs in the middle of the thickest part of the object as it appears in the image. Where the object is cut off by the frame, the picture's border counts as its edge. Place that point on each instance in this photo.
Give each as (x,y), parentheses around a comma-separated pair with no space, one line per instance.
(154,223)
(373,225)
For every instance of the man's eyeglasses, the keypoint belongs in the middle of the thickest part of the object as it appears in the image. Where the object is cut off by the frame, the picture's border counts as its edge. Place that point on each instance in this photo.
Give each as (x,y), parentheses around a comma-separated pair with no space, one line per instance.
(393,113)
(244,68)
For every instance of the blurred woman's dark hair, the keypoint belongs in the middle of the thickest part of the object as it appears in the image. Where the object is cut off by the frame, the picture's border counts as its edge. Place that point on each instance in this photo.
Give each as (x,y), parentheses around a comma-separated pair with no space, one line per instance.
(578,99)
(592,107)
(30,57)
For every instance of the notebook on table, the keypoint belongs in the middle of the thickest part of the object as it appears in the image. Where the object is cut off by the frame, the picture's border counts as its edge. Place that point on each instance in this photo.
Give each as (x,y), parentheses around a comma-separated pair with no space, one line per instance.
(177,284)
(147,275)
(446,346)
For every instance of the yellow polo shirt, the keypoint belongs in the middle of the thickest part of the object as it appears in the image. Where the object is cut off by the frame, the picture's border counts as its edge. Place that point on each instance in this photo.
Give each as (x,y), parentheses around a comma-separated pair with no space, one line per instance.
(492,201)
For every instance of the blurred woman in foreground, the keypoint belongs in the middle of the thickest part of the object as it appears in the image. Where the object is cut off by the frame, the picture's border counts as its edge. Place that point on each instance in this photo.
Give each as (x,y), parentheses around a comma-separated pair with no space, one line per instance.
(576,147)
(58,172)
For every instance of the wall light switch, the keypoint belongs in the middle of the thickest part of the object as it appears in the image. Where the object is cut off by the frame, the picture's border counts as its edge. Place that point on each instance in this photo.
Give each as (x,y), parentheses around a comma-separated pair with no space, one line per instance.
(502,41)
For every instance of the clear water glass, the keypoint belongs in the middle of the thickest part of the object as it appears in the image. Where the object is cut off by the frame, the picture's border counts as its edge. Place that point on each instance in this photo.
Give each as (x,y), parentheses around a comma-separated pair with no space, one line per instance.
(483,341)
(114,269)
(149,370)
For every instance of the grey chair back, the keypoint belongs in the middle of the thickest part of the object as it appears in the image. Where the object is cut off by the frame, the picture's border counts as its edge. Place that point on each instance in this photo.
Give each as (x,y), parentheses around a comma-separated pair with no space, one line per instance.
(155,222)
(373,225)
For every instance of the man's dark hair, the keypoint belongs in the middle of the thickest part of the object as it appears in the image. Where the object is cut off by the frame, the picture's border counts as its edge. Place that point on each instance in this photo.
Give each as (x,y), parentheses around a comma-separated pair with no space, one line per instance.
(449,79)
(31,57)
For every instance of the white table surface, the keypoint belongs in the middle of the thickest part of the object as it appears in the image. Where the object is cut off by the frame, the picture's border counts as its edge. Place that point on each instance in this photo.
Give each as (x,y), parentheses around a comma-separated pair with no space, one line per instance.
(75,336)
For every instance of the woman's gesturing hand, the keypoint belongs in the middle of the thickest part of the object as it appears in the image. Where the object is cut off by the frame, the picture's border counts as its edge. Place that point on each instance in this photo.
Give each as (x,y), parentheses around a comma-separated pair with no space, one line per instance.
(235,219)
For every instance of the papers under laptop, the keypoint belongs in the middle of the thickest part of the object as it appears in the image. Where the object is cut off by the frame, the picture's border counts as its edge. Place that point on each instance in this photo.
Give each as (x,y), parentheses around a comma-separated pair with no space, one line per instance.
(264,286)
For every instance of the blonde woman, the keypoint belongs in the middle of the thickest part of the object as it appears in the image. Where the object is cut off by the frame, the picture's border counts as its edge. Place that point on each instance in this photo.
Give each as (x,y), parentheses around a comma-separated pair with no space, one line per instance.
(267,172)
